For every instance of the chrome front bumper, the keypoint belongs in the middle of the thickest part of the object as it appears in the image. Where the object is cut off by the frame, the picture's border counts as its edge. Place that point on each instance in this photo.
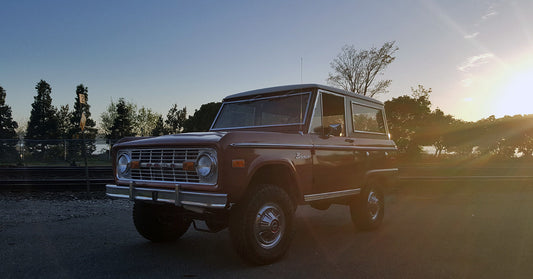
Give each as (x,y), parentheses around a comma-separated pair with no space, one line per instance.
(175,196)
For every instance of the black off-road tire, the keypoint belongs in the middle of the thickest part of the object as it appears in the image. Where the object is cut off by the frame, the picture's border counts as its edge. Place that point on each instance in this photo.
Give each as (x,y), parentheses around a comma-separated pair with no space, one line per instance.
(368,208)
(262,226)
(159,222)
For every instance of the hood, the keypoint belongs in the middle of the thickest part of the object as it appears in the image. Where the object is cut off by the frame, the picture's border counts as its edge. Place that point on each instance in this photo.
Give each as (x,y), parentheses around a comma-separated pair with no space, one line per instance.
(214,139)
(204,138)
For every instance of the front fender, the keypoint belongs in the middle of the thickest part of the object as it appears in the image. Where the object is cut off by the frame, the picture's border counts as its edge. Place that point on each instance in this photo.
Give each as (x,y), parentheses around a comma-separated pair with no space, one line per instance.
(389,176)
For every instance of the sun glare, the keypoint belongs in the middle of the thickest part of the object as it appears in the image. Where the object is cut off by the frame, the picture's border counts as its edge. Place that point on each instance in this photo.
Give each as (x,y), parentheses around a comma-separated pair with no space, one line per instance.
(516,94)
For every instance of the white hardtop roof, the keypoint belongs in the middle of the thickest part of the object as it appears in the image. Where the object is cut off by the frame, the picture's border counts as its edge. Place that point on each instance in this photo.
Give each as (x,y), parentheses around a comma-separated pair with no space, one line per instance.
(298,87)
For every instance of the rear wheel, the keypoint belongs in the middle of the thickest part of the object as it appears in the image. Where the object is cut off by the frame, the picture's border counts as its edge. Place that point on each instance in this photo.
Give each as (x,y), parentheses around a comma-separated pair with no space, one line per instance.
(261,228)
(159,222)
(368,209)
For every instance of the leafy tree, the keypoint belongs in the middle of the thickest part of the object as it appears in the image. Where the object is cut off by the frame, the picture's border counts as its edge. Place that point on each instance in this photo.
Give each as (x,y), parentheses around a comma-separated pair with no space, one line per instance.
(123,122)
(159,128)
(8,134)
(490,138)
(526,146)
(43,123)
(176,119)
(439,129)
(503,138)
(203,118)
(524,135)
(76,147)
(356,70)
(107,118)
(407,117)
(487,135)
(145,121)
(460,138)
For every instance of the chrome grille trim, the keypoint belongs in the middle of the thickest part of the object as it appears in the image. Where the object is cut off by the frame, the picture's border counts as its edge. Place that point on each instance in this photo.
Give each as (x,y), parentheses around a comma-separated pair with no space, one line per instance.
(164,164)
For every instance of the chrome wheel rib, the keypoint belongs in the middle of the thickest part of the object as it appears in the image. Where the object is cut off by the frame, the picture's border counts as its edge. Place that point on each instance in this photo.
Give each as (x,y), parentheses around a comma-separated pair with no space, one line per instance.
(261,227)
(368,209)
(269,226)
(373,205)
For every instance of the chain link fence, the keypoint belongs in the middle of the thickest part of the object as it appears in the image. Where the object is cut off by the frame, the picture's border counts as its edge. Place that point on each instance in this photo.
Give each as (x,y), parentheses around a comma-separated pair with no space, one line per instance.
(60,152)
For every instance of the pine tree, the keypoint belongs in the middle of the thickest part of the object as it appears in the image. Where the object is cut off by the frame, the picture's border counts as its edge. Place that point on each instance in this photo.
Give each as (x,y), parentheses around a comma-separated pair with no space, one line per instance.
(43,124)
(63,117)
(123,122)
(107,118)
(76,147)
(8,135)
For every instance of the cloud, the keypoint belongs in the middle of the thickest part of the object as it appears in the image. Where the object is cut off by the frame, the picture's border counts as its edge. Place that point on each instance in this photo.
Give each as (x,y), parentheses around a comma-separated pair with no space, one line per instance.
(471,36)
(491,11)
(489,14)
(475,61)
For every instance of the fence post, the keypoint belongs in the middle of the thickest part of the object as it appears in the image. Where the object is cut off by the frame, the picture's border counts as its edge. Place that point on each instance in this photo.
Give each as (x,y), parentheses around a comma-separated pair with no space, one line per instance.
(85,160)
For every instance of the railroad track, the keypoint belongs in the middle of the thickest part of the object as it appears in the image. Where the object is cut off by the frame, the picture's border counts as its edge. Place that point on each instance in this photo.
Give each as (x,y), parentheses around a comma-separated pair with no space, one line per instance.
(74,178)
(54,178)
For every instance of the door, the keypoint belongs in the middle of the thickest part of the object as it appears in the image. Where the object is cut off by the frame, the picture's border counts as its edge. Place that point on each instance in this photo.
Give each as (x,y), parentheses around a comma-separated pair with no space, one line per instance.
(335,162)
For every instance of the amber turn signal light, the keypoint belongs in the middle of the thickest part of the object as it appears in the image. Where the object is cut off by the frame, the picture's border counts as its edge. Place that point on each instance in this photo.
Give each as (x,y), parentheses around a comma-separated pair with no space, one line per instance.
(188,166)
(135,164)
(239,163)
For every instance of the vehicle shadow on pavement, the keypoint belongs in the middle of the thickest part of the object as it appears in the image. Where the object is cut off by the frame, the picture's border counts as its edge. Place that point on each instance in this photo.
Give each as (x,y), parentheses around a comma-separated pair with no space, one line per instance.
(318,235)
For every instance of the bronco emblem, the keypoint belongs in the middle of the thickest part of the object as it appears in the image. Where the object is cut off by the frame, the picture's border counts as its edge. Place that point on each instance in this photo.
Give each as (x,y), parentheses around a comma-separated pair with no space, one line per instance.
(300,156)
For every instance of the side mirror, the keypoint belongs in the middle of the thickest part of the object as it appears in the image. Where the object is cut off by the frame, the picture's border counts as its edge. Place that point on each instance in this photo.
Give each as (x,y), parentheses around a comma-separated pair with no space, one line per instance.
(334,130)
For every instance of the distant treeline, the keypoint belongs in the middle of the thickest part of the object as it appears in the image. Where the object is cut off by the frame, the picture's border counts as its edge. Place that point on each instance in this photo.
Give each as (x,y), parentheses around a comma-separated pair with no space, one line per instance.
(412,125)
(48,124)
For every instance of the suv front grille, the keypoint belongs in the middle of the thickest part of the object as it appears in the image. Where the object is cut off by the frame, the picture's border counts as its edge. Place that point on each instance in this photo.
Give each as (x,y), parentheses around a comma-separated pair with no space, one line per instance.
(164,164)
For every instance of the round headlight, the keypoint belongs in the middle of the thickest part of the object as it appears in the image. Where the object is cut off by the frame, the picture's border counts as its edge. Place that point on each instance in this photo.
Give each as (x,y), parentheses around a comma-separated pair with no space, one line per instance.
(205,165)
(123,164)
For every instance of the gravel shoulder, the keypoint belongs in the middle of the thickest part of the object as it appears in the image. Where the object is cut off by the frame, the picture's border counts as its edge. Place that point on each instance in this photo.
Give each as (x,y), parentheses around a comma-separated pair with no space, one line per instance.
(36,207)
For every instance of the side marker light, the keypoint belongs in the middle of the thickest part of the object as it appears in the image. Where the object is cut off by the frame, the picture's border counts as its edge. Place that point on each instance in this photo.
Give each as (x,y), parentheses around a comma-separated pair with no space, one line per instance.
(239,163)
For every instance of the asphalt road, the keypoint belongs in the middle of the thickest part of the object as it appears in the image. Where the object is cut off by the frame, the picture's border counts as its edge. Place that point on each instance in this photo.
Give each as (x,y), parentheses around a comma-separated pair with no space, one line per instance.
(431,230)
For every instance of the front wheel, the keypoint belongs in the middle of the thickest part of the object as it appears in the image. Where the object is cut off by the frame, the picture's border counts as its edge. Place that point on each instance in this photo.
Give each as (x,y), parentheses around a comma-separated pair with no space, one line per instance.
(261,227)
(368,209)
(159,222)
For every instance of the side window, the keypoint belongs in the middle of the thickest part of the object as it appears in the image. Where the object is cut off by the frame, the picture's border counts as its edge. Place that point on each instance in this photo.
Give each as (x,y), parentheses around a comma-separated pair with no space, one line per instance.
(367,119)
(329,112)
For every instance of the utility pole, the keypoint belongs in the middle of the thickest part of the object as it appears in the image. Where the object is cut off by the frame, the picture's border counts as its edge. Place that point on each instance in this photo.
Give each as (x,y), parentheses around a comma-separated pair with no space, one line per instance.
(83,119)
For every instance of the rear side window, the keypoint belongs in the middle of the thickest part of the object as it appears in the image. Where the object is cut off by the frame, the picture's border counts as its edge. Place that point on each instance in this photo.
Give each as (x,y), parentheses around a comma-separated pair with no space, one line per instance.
(367,119)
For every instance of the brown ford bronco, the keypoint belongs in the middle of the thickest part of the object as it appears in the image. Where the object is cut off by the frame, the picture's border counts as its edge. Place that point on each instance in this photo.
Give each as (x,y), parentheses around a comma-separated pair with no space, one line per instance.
(267,152)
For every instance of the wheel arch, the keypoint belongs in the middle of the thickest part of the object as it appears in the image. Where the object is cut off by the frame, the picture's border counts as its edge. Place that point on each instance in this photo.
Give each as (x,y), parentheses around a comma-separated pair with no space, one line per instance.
(281,174)
(386,178)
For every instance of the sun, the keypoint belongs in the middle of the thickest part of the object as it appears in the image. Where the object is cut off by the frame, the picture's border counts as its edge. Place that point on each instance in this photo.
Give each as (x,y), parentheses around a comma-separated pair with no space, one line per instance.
(516,93)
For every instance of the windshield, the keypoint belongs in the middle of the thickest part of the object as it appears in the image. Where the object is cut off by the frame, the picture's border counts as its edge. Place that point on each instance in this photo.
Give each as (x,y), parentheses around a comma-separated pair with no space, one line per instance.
(273,111)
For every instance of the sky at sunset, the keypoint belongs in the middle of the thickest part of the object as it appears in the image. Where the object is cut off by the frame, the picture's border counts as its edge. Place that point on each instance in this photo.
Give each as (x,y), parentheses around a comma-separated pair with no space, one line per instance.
(476,55)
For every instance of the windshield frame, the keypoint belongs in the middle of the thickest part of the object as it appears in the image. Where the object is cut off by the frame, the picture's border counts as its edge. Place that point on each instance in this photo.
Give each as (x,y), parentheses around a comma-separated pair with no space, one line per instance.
(304,119)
